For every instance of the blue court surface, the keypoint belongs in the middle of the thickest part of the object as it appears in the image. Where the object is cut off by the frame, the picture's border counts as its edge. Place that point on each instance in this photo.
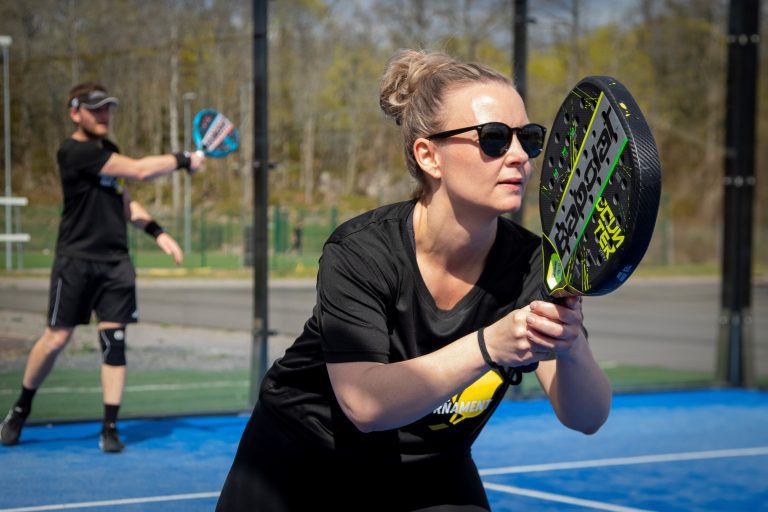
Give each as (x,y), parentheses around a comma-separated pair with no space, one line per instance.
(673,451)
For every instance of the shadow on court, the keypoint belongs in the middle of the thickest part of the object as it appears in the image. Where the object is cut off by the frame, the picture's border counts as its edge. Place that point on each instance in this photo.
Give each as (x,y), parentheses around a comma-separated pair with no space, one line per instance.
(676,451)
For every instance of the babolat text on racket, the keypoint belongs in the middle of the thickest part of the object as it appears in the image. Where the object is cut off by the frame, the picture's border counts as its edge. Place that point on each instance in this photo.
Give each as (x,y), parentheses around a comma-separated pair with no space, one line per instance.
(214,134)
(600,190)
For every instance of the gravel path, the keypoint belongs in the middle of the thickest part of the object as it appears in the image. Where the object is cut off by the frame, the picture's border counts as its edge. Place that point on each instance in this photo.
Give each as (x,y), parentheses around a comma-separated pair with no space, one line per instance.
(149,345)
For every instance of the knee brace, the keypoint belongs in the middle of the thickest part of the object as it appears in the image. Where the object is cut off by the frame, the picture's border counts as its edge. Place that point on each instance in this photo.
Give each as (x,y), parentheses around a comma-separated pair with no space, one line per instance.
(112,346)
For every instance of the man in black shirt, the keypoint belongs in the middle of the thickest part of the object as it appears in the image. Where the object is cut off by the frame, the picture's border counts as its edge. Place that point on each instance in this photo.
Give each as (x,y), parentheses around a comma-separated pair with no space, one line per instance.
(92,271)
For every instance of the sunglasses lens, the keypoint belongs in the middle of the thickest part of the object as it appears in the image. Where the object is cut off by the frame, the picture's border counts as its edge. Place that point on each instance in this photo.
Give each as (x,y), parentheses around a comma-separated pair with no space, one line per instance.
(531,137)
(495,139)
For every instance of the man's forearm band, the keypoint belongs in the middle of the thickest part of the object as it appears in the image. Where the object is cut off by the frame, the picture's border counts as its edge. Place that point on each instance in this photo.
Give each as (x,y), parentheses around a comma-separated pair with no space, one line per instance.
(183,161)
(154,229)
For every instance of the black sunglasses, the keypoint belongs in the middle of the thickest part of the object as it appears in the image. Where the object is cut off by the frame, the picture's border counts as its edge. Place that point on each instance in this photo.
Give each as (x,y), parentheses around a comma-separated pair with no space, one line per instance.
(495,138)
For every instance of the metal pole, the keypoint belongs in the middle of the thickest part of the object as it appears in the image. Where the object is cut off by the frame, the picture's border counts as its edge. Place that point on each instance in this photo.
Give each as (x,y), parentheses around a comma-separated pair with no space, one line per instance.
(187,97)
(520,64)
(519,75)
(260,327)
(520,46)
(735,362)
(19,245)
(5,42)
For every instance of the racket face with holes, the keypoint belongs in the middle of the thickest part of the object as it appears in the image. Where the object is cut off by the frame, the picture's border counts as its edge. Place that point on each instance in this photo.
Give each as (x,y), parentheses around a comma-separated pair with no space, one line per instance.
(214,134)
(600,190)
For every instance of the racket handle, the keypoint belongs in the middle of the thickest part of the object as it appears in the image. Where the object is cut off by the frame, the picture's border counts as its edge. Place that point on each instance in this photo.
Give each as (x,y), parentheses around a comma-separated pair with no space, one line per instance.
(543,295)
(200,153)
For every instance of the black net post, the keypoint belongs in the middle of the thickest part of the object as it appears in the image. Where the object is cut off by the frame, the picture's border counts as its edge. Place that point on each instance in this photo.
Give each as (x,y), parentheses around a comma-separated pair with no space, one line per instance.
(519,62)
(520,45)
(735,364)
(259,325)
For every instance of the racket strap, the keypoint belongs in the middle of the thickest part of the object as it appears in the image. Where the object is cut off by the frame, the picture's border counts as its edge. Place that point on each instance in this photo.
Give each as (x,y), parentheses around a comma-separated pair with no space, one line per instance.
(513,375)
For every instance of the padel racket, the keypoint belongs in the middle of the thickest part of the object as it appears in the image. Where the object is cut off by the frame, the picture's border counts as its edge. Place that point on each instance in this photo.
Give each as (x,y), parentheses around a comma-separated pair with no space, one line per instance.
(600,190)
(214,134)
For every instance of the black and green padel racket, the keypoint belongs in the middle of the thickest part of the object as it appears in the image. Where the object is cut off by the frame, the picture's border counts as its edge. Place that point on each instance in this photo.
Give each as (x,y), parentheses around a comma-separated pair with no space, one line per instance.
(600,190)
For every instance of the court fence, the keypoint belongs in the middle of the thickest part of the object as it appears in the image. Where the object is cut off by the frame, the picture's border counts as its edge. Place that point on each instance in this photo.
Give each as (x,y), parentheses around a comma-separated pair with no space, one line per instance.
(296,237)
(222,241)
(180,370)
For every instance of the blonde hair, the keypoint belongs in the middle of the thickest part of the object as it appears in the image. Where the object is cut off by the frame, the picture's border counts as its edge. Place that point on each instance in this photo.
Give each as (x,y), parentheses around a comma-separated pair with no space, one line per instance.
(412,90)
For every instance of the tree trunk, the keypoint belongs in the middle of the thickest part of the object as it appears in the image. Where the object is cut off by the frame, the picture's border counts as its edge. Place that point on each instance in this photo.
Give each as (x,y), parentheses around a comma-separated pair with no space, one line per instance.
(307,158)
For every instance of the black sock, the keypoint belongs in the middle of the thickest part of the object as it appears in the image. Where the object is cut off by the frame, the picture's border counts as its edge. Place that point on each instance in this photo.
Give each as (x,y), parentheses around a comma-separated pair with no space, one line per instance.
(25,401)
(110,414)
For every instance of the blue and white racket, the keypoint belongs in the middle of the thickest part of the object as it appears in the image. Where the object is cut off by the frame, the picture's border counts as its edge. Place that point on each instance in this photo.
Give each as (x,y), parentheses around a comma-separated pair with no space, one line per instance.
(214,134)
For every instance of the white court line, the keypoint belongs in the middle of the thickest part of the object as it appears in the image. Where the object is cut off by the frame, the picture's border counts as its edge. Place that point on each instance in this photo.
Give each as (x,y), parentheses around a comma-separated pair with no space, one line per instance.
(672,457)
(114,503)
(137,388)
(623,461)
(595,505)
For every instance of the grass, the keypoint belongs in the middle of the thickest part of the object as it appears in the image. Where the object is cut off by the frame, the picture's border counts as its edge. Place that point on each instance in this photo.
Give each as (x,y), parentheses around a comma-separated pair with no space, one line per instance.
(291,265)
(634,378)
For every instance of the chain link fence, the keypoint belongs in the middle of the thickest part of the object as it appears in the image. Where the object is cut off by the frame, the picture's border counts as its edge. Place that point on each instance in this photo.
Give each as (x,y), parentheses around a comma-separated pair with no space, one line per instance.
(297,235)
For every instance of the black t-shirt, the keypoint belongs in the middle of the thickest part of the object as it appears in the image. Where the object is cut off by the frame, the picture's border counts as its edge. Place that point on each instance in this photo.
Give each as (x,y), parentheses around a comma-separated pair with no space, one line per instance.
(93,222)
(372,305)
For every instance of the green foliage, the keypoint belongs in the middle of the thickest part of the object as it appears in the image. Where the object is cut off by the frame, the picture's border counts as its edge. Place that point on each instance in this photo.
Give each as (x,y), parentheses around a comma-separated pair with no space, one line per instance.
(329,143)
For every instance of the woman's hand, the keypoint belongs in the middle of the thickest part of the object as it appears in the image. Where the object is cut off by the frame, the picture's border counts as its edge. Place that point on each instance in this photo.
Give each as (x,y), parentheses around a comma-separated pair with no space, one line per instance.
(537,332)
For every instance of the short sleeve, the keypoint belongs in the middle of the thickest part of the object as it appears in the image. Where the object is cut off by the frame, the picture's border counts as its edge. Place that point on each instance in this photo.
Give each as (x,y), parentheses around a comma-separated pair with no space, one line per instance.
(86,158)
(352,299)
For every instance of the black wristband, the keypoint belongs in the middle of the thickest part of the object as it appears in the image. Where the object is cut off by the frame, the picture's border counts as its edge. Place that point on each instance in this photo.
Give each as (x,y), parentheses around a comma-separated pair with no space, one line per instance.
(183,160)
(484,351)
(154,229)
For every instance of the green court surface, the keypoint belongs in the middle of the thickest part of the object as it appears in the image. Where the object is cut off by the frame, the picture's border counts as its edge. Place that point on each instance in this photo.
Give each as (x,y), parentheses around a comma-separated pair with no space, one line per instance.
(70,394)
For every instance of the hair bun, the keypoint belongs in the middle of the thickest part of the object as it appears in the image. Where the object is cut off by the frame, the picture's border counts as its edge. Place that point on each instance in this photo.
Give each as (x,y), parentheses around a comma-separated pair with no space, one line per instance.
(404,73)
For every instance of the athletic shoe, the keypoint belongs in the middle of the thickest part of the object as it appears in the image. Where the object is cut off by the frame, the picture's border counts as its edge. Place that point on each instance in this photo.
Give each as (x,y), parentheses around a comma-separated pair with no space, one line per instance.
(10,429)
(109,441)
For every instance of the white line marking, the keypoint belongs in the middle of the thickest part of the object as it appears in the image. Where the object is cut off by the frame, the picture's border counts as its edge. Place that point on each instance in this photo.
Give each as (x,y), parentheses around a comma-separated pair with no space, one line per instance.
(595,505)
(138,388)
(115,503)
(623,461)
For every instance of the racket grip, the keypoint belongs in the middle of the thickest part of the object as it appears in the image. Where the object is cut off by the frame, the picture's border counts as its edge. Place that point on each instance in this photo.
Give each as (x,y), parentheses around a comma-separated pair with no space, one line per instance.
(543,295)
(199,154)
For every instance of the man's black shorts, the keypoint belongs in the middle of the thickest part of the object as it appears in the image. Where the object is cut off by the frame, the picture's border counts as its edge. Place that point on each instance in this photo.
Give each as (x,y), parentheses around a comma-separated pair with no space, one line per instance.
(80,287)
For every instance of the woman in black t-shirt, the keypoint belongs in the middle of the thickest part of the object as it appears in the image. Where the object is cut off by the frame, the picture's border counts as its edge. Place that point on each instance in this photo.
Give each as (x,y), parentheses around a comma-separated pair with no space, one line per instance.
(426,310)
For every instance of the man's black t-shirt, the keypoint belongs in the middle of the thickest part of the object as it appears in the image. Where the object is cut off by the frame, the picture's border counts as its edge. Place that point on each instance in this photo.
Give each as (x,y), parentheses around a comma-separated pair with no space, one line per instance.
(372,305)
(93,223)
